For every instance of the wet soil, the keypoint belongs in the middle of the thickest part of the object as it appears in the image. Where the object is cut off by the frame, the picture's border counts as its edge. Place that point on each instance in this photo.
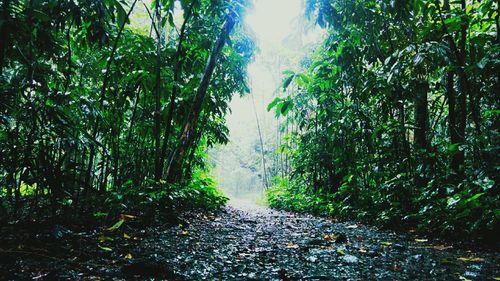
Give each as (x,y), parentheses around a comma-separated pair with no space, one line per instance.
(246,242)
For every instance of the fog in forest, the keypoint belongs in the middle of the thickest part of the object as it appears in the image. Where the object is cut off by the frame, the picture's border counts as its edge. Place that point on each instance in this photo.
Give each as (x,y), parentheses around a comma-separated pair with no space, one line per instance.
(281,34)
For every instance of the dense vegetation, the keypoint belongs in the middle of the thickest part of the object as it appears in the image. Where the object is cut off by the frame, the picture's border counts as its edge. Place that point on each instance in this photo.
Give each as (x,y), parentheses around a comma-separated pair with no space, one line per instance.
(100,114)
(395,119)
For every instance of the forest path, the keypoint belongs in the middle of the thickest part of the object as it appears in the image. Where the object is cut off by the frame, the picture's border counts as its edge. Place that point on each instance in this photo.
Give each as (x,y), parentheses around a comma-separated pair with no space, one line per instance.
(250,242)
(242,242)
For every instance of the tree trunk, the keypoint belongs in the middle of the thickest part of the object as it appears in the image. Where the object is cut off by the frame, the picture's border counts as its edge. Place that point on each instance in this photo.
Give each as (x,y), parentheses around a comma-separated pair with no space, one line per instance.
(457,104)
(461,106)
(452,120)
(421,115)
(88,179)
(265,180)
(421,131)
(4,33)
(175,164)
(175,86)
(157,116)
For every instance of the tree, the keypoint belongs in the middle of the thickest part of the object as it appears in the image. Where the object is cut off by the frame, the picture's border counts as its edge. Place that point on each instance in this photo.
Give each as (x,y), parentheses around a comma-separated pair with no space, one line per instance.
(390,125)
(187,137)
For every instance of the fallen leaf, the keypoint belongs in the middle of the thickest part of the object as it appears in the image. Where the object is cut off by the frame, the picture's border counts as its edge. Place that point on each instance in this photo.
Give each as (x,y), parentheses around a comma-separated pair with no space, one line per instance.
(103,239)
(496,278)
(352,226)
(464,279)
(385,243)
(330,237)
(125,217)
(340,251)
(470,259)
(185,232)
(292,246)
(107,249)
(421,240)
(116,225)
(441,247)
(126,236)
(128,256)
(447,261)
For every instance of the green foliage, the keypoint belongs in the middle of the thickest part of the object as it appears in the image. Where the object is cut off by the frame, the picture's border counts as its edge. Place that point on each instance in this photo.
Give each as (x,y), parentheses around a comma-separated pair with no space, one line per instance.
(202,192)
(395,116)
(85,102)
(282,195)
(150,197)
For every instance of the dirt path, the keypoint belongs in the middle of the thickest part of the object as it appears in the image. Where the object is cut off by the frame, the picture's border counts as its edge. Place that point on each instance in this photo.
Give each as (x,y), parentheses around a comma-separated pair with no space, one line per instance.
(255,243)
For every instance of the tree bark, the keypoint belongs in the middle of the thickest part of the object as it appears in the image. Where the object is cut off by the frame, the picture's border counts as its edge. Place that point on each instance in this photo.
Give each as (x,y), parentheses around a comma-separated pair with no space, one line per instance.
(175,85)
(157,116)
(421,115)
(421,132)
(4,33)
(461,106)
(457,104)
(176,162)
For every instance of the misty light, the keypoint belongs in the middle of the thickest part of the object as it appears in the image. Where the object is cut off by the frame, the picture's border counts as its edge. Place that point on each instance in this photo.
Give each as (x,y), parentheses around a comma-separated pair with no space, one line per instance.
(279,29)
(271,20)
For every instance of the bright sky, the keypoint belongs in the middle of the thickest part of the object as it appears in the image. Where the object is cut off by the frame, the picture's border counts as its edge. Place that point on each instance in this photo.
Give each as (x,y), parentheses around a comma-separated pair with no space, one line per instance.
(271,20)
(275,25)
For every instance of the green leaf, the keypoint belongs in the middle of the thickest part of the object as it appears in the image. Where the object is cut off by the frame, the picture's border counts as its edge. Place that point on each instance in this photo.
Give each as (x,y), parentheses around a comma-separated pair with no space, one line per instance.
(41,16)
(116,225)
(453,24)
(171,19)
(287,82)
(453,148)
(121,13)
(473,198)
(302,80)
(273,104)
(107,249)
(483,62)
(285,108)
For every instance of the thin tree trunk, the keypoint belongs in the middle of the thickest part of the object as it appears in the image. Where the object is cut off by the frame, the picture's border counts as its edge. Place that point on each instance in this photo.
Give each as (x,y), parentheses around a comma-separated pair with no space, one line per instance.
(176,162)
(457,111)
(421,115)
(175,86)
(4,33)
(103,94)
(461,106)
(475,97)
(422,124)
(265,179)
(157,116)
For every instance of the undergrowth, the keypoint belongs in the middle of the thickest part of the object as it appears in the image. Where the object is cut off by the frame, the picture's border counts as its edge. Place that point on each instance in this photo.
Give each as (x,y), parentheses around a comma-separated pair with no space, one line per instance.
(473,213)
